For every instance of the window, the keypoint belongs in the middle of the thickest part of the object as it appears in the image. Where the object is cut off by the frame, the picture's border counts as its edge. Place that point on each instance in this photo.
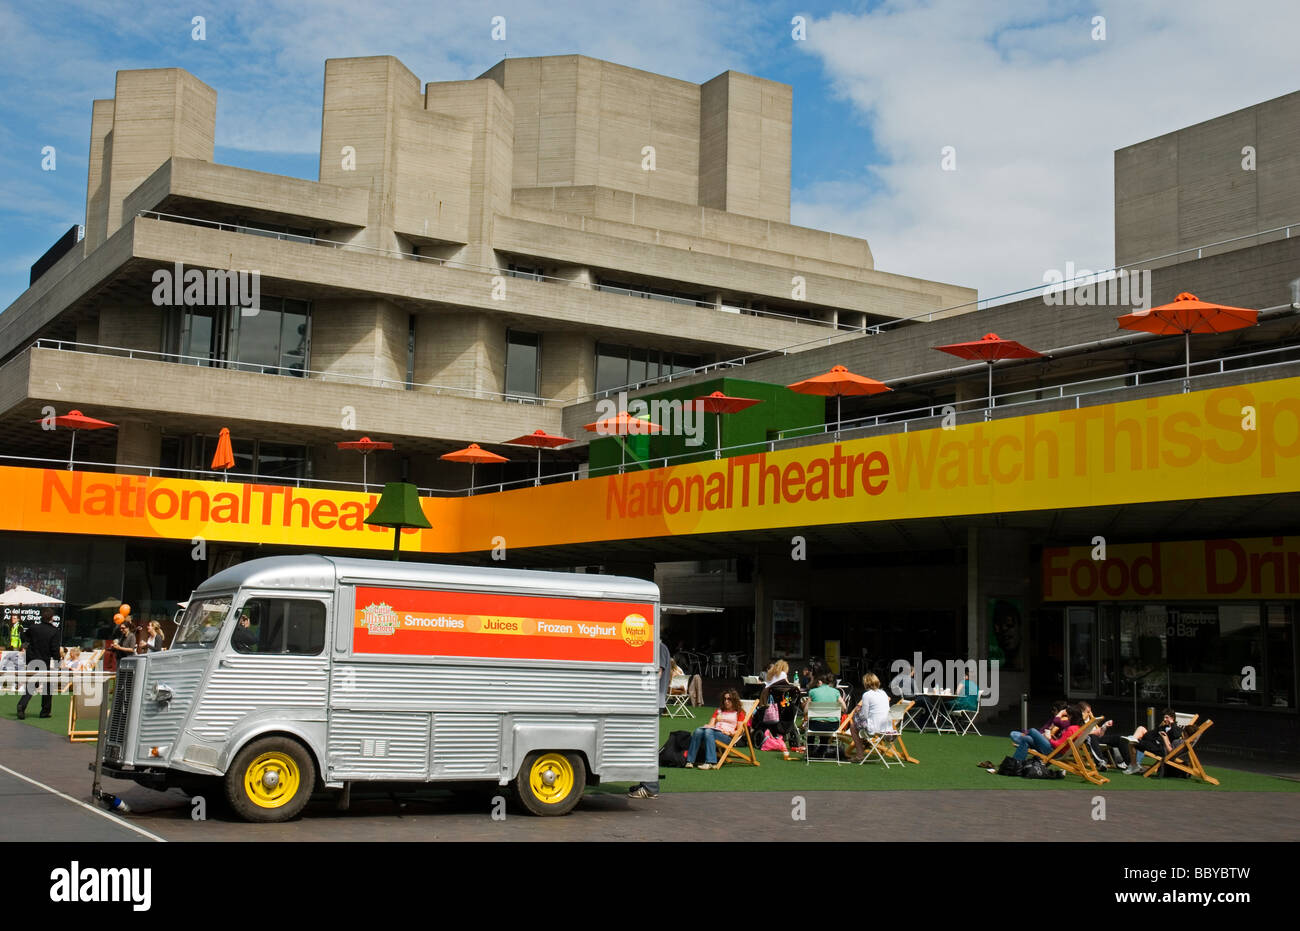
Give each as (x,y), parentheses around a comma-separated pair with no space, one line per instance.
(283,626)
(523,351)
(271,339)
(617,366)
(530,272)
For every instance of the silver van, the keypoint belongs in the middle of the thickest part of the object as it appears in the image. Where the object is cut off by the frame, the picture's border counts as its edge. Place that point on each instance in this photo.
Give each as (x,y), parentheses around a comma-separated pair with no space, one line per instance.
(297,673)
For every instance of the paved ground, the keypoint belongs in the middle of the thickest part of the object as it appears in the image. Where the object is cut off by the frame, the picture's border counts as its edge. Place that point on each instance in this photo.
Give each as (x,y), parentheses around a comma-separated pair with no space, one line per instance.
(32,812)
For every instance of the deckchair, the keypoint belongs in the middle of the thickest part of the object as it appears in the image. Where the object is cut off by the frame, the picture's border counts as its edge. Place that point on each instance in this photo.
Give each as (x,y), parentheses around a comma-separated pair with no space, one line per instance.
(897,715)
(1073,755)
(1185,747)
(733,749)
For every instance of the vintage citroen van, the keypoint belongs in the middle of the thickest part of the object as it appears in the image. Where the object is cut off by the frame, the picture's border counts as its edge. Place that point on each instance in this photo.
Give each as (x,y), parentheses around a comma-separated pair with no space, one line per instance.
(294,674)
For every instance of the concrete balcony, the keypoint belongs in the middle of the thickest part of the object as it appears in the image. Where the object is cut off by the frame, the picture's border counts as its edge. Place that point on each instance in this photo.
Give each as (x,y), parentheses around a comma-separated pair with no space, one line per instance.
(196,399)
(192,187)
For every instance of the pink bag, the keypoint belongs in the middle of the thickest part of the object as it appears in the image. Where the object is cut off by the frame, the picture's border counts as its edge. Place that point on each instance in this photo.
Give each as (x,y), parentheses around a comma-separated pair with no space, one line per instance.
(773,742)
(771,714)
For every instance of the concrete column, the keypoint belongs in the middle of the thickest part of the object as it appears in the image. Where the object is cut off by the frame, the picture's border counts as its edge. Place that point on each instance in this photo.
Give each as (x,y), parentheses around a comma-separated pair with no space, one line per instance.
(364,339)
(97,174)
(461,350)
(130,327)
(568,365)
(998,567)
(157,114)
(138,443)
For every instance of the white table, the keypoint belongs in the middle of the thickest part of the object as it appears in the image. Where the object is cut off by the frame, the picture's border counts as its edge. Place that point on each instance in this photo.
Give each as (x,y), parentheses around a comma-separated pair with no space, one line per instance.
(938,713)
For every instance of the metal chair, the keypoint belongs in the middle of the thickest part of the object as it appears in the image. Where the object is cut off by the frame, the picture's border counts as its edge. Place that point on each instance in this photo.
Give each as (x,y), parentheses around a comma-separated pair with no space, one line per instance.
(678,697)
(822,712)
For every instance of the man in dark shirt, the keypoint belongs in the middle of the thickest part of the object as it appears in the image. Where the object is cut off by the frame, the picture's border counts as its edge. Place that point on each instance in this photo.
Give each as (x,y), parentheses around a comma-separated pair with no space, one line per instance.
(43,642)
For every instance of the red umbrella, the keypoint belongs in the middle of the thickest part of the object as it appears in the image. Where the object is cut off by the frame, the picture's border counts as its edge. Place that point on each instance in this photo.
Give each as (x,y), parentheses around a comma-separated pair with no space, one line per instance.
(718,404)
(224,457)
(837,383)
(622,424)
(473,454)
(365,446)
(74,421)
(991,348)
(542,440)
(1188,314)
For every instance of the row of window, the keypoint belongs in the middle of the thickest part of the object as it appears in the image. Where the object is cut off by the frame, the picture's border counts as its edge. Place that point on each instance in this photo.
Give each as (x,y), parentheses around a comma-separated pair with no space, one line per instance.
(272,461)
(275,339)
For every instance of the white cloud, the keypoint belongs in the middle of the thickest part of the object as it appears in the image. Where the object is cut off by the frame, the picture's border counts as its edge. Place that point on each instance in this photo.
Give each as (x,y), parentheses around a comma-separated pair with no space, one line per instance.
(1035,109)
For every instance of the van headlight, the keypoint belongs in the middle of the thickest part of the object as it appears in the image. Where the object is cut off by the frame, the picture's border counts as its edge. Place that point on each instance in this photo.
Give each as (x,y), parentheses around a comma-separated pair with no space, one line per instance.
(162,693)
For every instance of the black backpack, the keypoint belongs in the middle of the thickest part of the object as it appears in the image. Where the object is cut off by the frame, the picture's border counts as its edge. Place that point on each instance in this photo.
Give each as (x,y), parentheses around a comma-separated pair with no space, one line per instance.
(673,752)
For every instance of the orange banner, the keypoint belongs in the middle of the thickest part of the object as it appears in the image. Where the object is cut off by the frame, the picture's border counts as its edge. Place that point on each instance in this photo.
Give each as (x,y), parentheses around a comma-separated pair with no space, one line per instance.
(1236,440)
(410,622)
(1202,570)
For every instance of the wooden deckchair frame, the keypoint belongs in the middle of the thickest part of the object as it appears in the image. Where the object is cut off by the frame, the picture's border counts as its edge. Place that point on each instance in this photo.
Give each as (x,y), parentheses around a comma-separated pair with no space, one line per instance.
(895,748)
(1184,745)
(1073,755)
(734,749)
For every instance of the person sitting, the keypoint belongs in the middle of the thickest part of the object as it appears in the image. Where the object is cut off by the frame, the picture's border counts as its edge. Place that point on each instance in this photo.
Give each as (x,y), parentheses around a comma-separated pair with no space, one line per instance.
(777,672)
(1159,741)
(71,658)
(905,685)
(1105,747)
(824,692)
(1040,739)
(870,715)
(728,717)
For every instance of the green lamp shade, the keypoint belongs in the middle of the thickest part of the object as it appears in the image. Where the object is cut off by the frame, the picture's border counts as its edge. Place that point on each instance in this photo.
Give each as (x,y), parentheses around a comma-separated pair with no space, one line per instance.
(399,506)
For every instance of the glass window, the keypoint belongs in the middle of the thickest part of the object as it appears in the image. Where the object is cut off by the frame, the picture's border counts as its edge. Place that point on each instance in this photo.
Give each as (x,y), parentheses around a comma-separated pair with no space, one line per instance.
(259,339)
(522,356)
(283,626)
(636,366)
(281,460)
(611,366)
(201,623)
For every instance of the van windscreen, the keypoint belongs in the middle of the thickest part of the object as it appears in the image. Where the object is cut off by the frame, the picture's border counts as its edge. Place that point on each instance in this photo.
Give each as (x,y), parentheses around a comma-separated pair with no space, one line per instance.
(202,622)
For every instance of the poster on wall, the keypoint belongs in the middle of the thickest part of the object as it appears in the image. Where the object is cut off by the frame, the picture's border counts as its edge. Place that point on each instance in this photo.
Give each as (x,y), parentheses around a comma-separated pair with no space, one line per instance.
(833,656)
(1006,625)
(787,629)
(49,581)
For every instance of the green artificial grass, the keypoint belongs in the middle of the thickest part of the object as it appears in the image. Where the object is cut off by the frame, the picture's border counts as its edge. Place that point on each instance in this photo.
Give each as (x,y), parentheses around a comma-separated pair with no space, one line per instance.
(947,762)
(57,723)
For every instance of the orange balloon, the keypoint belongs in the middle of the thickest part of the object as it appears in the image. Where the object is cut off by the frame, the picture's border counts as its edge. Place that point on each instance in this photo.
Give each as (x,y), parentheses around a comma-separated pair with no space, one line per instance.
(125,610)
(118,619)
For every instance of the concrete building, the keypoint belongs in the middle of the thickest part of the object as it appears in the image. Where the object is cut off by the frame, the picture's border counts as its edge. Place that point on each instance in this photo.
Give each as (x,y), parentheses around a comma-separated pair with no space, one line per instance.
(557,227)
(484,258)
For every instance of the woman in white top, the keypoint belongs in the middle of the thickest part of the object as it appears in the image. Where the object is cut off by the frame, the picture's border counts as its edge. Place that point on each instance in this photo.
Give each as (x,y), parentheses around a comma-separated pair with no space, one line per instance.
(777,672)
(871,716)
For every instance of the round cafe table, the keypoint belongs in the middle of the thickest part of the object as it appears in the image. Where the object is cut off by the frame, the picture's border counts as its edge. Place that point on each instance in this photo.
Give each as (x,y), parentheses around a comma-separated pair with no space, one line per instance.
(938,709)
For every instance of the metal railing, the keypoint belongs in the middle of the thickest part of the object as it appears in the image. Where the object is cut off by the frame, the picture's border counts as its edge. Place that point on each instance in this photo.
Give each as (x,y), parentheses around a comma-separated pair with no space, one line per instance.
(483,269)
(1006,403)
(64,345)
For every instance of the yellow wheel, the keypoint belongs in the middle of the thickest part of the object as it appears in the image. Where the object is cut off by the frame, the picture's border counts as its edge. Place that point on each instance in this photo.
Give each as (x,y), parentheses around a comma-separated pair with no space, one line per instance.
(270,780)
(551,782)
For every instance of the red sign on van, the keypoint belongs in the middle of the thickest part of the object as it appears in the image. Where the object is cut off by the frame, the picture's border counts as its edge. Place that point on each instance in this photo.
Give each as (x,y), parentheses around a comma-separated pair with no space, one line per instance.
(415,622)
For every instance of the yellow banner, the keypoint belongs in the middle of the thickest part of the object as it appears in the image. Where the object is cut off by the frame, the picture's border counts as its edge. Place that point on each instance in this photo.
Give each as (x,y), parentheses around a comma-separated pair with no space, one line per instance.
(1265,567)
(1238,440)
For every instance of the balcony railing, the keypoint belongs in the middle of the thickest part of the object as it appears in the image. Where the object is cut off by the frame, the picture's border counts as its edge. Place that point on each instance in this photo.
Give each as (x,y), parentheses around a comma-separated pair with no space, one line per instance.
(314,374)
(1007,404)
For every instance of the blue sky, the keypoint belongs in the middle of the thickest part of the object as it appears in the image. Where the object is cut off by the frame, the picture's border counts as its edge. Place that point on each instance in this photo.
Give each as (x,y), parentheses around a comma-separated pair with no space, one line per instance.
(1031,100)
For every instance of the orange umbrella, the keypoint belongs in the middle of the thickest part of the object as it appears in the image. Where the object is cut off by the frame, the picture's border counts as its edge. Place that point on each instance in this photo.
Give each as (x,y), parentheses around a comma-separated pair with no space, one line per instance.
(224,457)
(542,440)
(472,454)
(74,421)
(365,446)
(622,424)
(718,404)
(838,382)
(990,348)
(1188,314)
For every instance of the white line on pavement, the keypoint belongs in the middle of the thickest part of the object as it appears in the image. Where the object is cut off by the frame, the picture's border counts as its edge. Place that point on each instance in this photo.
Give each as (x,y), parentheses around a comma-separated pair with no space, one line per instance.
(100,812)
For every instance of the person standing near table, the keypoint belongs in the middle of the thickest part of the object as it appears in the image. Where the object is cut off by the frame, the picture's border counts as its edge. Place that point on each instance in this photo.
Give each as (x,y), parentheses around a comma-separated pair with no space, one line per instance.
(43,642)
(665,662)
(123,643)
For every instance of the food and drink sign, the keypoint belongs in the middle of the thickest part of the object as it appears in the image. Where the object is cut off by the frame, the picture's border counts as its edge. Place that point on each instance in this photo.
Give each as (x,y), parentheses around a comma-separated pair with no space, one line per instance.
(412,622)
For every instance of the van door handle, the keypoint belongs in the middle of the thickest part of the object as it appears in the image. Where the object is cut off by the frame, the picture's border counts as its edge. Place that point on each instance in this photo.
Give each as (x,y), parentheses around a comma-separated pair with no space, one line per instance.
(224,663)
